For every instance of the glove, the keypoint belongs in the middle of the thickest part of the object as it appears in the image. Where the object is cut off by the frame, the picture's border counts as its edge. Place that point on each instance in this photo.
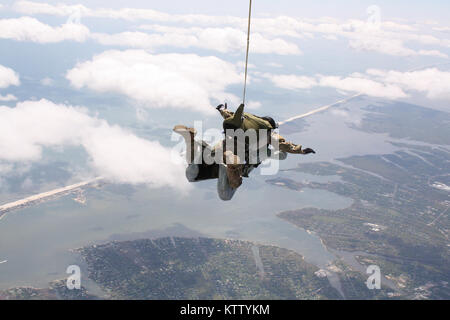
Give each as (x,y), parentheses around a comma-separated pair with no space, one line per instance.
(220,106)
(308,150)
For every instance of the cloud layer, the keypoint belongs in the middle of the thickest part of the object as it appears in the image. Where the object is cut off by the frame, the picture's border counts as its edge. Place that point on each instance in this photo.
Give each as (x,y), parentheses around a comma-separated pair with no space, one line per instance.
(114,153)
(225,40)
(185,81)
(433,82)
(8,77)
(8,97)
(31,29)
(385,37)
(389,84)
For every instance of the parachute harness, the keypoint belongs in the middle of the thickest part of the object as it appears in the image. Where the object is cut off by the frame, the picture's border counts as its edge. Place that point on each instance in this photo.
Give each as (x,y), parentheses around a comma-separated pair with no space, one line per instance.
(246,55)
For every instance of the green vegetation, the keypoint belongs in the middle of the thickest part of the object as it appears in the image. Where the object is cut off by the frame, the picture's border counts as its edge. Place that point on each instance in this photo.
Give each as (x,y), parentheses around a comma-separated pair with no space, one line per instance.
(399,214)
(353,284)
(57,290)
(200,268)
(402,120)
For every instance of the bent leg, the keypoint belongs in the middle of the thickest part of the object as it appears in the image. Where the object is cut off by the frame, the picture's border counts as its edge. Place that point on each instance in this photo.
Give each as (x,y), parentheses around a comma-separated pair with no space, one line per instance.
(234,169)
(188,134)
(194,148)
(224,190)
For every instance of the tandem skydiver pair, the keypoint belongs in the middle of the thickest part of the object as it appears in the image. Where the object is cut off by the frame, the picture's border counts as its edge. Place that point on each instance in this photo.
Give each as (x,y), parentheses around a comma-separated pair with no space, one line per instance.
(231,168)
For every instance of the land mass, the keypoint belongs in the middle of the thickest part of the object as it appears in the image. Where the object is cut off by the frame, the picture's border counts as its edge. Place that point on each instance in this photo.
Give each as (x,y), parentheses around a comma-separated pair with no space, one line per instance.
(399,216)
(193,268)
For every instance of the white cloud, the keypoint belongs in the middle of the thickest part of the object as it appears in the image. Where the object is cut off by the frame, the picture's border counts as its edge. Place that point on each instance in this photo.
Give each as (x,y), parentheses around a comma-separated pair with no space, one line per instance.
(185,81)
(253,105)
(31,8)
(442,29)
(376,83)
(8,77)
(395,26)
(430,22)
(47,81)
(274,65)
(291,81)
(224,40)
(390,46)
(387,37)
(433,82)
(260,44)
(8,97)
(30,29)
(143,40)
(114,153)
(130,14)
(279,26)
(362,85)
(353,83)
(432,53)
(331,37)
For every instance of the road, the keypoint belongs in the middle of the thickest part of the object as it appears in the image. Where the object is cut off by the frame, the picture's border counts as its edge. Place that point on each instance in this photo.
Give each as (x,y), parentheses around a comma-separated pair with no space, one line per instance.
(43,196)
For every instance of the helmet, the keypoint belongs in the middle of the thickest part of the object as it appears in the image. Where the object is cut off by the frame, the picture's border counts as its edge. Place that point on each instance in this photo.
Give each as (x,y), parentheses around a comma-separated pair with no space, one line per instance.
(271,121)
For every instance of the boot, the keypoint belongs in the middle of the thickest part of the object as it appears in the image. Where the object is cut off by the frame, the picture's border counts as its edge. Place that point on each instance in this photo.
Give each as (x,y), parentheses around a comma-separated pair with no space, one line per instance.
(184,131)
(188,134)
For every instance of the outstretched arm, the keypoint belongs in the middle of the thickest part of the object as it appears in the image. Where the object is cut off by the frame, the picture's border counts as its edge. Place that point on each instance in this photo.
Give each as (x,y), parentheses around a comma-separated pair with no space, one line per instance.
(289,147)
(224,112)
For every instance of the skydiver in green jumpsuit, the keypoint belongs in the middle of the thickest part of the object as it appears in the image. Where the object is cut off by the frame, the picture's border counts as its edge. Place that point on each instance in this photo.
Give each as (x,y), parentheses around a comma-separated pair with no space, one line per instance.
(235,167)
